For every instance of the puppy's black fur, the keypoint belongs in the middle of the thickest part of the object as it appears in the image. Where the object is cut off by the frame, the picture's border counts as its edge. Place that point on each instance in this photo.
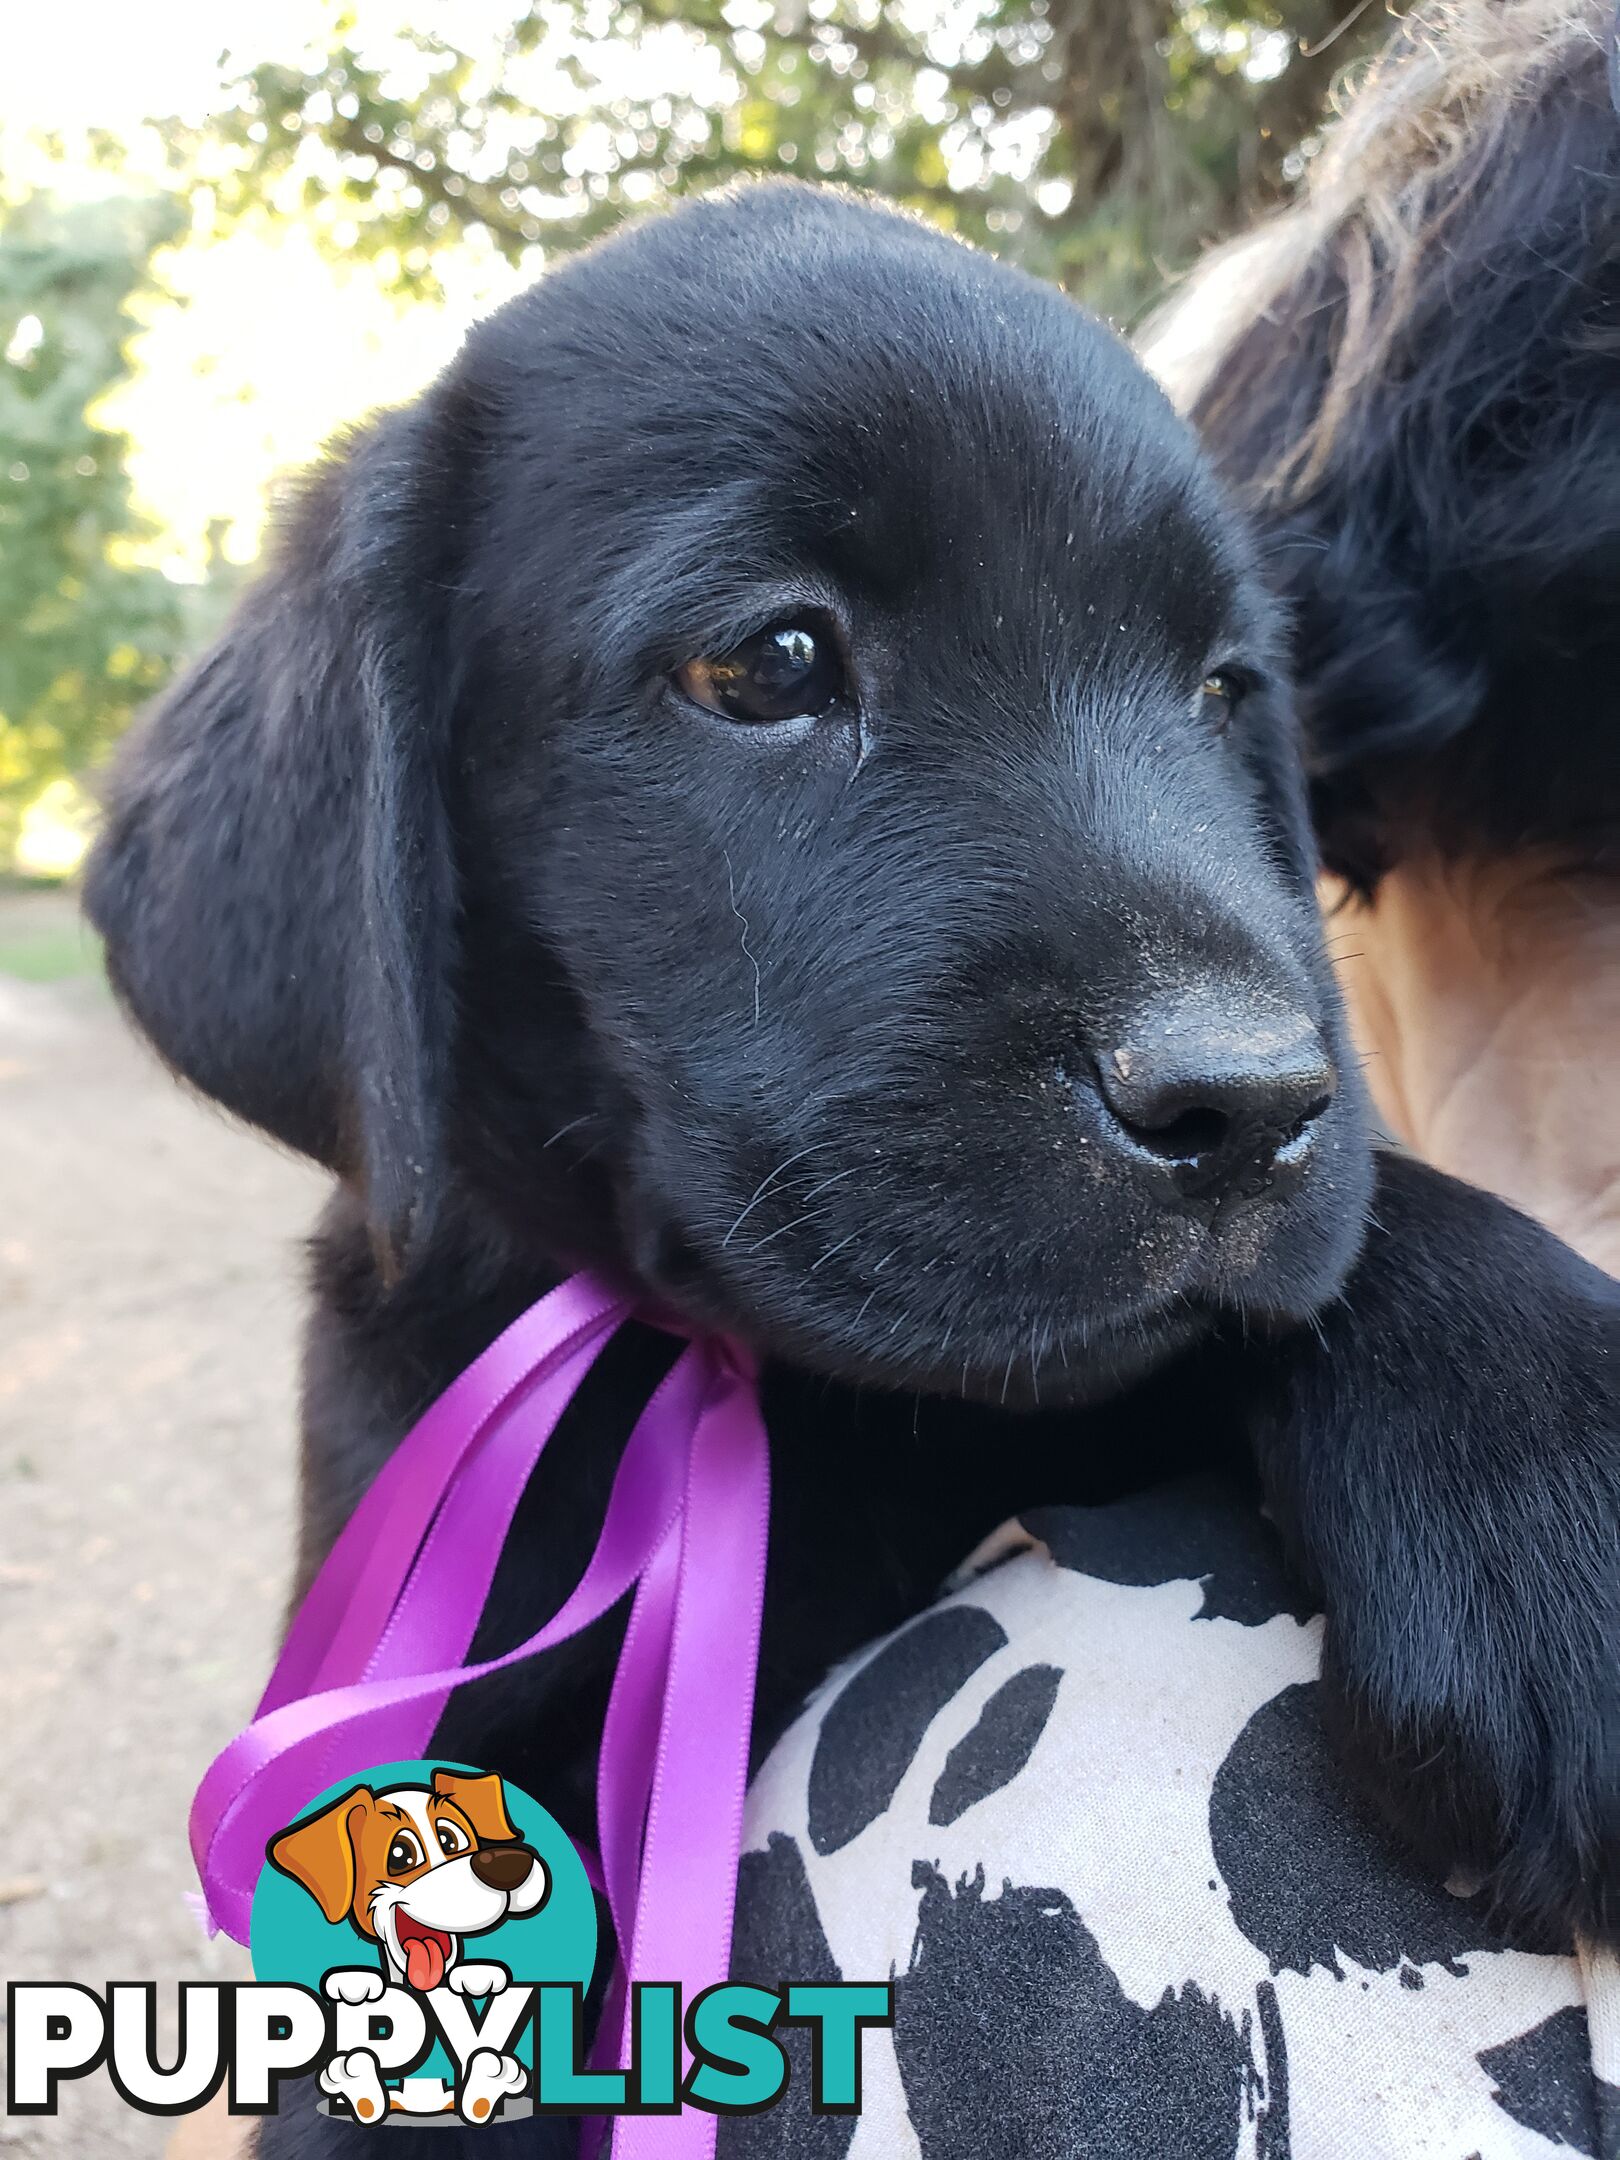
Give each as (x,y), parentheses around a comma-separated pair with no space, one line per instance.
(435,871)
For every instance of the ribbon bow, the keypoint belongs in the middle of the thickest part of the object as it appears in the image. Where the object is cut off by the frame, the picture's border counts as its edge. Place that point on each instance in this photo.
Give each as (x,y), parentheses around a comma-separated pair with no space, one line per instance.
(380,1641)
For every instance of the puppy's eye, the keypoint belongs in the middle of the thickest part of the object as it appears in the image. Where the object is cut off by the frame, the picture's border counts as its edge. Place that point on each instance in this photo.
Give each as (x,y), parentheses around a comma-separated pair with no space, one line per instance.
(404,1853)
(1218,694)
(790,672)
(452,1838)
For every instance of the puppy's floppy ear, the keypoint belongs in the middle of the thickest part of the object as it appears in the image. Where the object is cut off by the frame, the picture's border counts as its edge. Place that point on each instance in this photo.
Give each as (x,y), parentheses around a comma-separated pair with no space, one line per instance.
(482,1800)
(274,881)
(319,1853)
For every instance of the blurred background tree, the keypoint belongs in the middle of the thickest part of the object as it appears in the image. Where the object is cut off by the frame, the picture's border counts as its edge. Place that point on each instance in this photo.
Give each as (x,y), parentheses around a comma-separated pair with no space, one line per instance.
(427,170)
(1100,142)
(88,632)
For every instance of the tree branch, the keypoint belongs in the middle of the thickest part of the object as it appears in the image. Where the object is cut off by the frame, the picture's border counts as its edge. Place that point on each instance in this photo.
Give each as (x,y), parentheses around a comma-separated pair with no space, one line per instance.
(881,44)
(470,201)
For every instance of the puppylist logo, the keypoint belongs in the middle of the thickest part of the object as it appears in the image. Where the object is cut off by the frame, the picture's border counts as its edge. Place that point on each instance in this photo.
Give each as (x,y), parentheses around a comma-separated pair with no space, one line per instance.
(429,1877)
(423,1943)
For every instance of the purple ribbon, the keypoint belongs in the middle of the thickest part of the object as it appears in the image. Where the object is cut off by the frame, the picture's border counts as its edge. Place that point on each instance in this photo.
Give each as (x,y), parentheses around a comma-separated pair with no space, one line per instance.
(380,1641)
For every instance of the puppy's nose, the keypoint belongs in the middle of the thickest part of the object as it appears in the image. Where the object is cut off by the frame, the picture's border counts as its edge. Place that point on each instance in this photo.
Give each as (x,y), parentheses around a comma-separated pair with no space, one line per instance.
(1227,1111)
(502,1867)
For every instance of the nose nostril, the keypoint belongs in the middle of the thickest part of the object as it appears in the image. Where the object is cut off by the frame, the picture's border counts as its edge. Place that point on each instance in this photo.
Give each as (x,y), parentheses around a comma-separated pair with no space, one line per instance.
(1305,1120)
(1187,1136)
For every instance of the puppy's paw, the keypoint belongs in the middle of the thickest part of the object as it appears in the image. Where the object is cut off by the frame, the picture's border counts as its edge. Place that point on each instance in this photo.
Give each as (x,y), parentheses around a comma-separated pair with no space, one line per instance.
(490,2078)
(361,1985)
(477,1979)
(357,2079)
(1443,1453)
(1486,1728)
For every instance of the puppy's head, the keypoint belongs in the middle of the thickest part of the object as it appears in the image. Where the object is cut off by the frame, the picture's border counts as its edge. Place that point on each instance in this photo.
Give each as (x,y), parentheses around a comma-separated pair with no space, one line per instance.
(772,777)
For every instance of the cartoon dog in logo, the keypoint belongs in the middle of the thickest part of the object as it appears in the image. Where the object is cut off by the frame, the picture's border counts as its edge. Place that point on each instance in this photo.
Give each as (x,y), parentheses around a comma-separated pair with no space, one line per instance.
(416,1870)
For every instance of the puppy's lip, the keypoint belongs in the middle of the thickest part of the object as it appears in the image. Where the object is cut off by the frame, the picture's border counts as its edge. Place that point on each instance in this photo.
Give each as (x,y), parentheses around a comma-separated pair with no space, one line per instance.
(1062,1376)
(991,1364)
(1190,1279)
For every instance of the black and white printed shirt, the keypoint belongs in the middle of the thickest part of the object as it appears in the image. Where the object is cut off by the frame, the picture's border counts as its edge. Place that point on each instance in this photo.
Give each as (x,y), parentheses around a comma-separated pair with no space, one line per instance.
(1082,1812)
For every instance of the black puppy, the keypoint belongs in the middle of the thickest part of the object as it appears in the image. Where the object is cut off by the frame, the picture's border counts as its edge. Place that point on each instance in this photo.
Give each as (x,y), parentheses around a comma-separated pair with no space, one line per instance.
(772,779)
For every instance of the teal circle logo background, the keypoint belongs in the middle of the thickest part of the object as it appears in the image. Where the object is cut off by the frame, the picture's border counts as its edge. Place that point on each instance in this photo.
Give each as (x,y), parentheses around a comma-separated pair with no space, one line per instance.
(290,1939)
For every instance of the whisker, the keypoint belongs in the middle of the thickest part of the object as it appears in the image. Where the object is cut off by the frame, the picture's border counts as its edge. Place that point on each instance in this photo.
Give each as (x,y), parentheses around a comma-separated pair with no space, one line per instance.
(794,1222)
(731,884)
(837,1178)
(832,1249)
(1039,1357)
(760,1190)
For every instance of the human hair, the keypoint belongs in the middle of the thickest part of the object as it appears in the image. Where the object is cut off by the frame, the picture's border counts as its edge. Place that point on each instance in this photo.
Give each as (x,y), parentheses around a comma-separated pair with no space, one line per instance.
(1412,378)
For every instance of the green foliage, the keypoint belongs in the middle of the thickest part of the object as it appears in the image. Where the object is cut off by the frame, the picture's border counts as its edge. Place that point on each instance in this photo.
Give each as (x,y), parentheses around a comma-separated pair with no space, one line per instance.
(1100,142)
(86,632)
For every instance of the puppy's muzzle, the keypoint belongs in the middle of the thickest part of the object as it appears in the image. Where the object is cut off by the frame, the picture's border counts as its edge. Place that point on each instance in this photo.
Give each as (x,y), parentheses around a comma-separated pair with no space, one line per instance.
(503,1867)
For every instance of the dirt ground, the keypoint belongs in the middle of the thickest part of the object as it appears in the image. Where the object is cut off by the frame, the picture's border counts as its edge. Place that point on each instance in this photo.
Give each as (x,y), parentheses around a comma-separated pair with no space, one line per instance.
(149,1289)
